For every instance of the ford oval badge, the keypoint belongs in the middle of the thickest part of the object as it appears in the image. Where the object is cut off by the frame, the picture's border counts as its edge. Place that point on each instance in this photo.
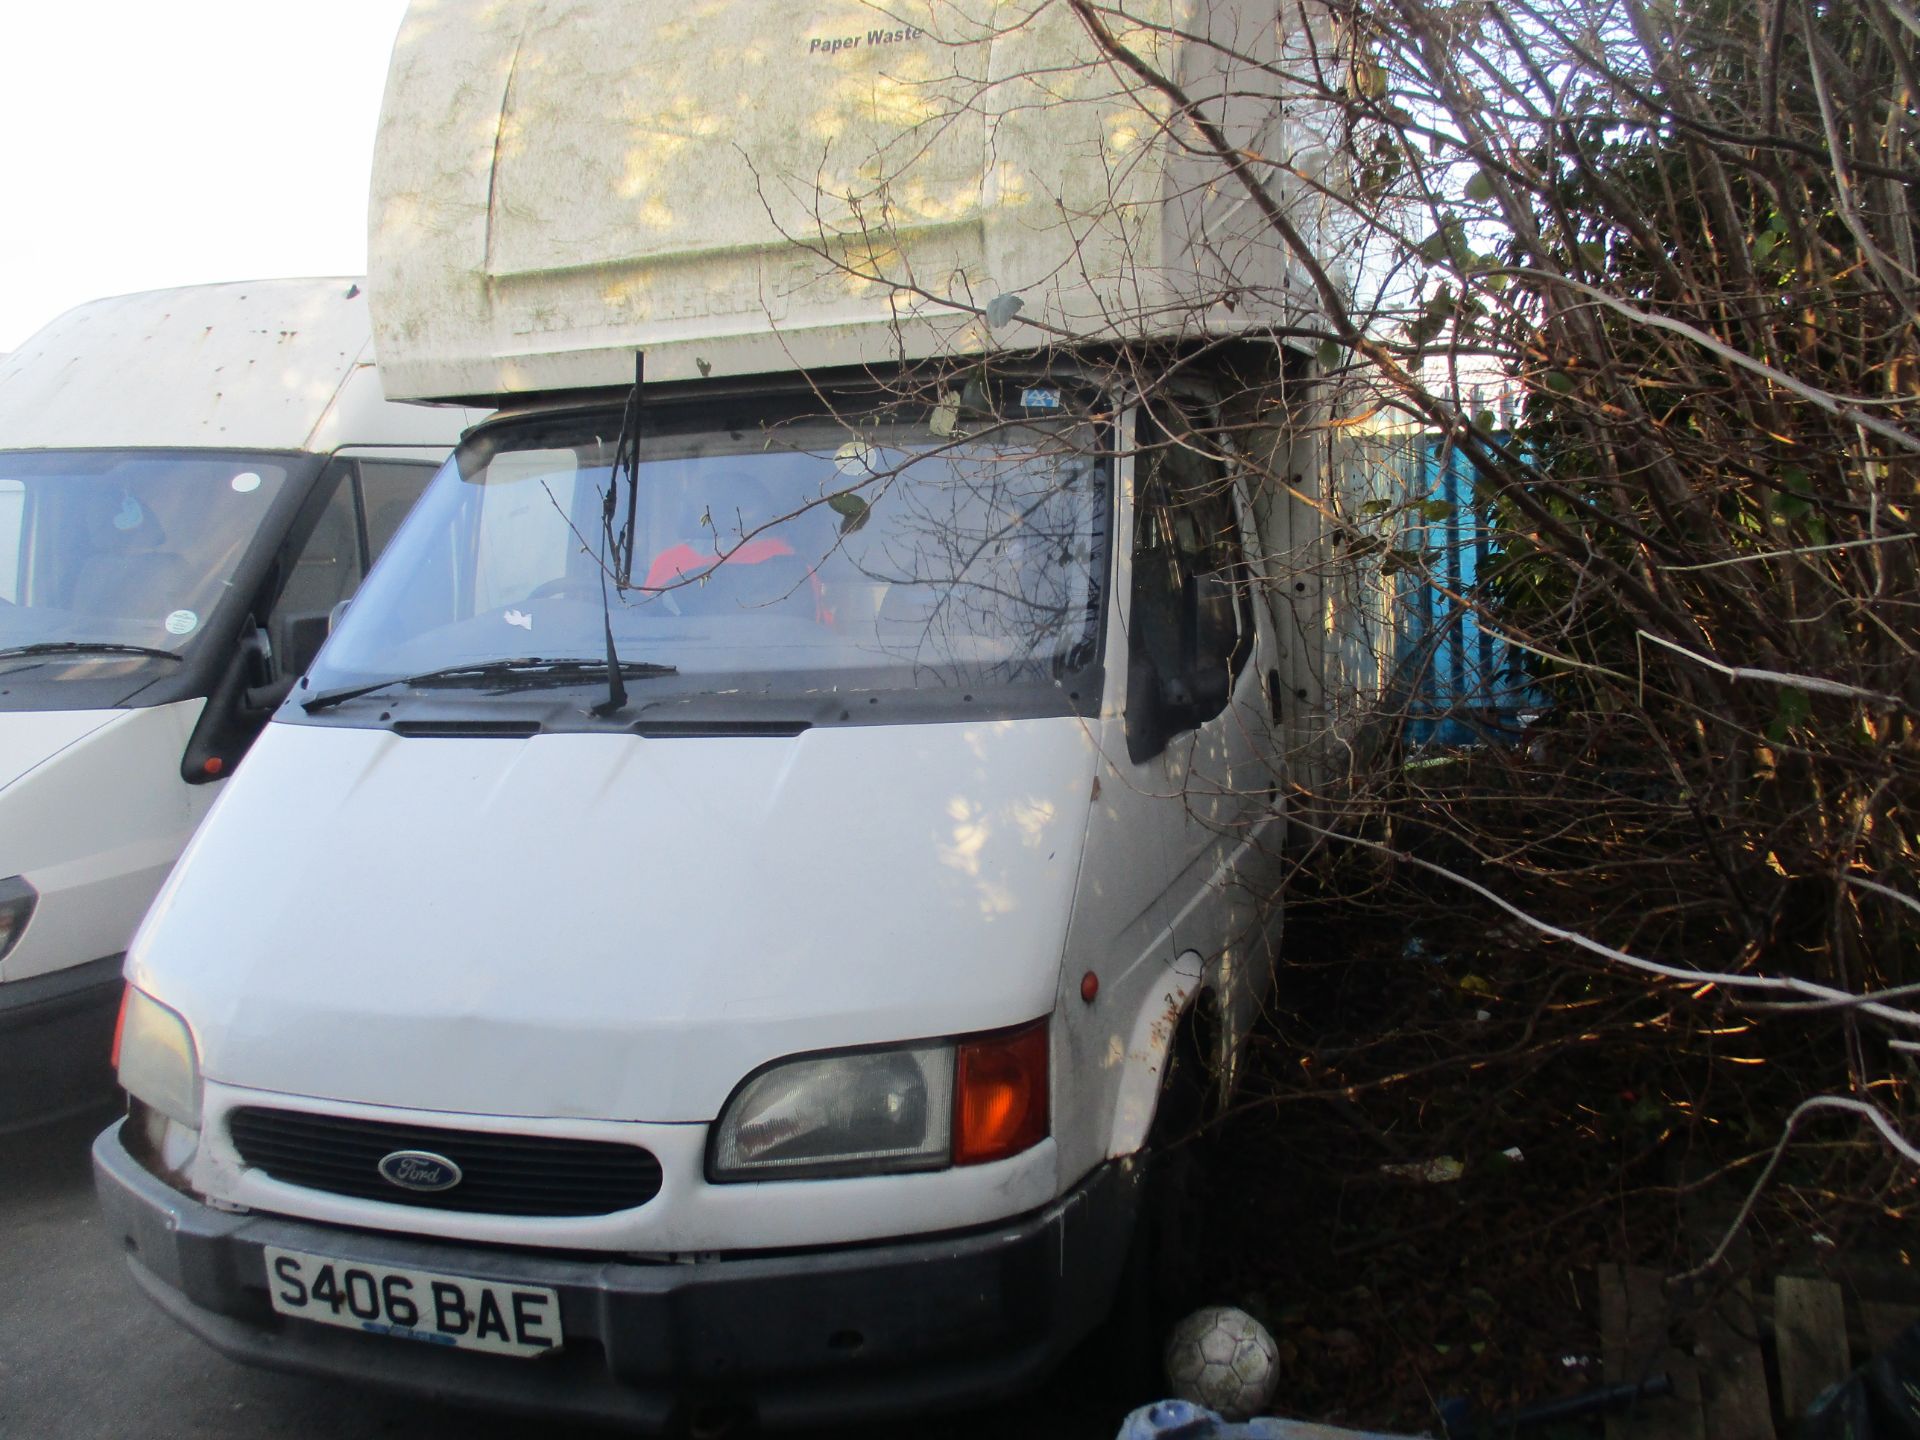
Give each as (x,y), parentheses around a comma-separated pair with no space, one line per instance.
(419,1170)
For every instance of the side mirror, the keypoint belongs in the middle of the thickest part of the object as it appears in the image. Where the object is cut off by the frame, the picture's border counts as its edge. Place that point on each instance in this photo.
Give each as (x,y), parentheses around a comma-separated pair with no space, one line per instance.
(1161,703)
(1148,725)
(1207,622)
(1158,707)
(234,712)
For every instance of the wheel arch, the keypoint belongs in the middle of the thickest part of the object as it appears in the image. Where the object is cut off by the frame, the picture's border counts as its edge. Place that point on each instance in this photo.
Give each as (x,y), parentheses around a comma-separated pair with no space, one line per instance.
(1179,1019)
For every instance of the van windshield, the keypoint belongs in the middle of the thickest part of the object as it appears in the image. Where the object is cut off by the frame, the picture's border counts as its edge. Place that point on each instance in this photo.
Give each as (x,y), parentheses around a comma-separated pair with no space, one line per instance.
(793,556)
(113,560)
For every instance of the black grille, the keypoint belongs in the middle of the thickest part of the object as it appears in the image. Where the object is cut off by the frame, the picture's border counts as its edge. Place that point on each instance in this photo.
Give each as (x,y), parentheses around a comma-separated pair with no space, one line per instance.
(501,1174)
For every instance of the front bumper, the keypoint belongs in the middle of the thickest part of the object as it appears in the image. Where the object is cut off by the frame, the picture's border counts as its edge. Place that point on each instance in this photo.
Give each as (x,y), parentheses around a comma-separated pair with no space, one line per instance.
(55,1034)
(786,1339)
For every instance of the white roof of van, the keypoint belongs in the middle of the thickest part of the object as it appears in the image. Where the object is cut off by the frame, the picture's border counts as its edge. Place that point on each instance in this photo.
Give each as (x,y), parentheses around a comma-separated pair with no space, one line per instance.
(252,365)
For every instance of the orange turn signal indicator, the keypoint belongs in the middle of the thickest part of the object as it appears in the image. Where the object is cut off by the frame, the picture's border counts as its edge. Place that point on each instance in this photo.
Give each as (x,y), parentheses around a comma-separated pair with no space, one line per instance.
(1000,1095)
(119,1028)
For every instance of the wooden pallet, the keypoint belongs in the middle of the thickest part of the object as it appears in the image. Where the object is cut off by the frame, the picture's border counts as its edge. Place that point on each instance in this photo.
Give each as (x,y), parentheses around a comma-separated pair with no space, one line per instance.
(1717,1360)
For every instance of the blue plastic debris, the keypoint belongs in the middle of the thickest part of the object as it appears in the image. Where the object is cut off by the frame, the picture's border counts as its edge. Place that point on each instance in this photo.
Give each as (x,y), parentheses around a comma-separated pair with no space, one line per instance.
(1184,1420)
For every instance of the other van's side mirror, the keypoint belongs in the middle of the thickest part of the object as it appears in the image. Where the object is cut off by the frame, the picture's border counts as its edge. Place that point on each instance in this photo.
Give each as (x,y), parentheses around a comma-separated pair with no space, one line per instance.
(239,705)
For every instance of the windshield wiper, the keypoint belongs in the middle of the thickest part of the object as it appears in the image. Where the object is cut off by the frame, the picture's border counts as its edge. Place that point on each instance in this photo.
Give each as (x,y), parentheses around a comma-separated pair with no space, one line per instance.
(626,446)
(528,673)
(85,647)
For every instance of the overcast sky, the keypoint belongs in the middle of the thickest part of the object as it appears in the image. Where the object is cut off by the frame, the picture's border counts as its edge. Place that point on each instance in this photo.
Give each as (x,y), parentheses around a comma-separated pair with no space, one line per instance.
(150,144)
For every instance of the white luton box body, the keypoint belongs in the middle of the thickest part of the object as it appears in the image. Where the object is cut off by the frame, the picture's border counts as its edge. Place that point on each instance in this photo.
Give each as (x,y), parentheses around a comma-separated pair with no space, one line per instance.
(746,189)
(779,1028)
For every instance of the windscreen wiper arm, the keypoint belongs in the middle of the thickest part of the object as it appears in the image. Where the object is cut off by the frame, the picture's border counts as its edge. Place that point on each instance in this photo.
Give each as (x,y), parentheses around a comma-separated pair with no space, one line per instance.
(528,673)
(626,446)
(85,647)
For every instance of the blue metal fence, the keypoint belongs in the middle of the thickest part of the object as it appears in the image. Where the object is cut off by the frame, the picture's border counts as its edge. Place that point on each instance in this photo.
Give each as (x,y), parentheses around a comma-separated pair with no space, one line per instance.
(1461,683)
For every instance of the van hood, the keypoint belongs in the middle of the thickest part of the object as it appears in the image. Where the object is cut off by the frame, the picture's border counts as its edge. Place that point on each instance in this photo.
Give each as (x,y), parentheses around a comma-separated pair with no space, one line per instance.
(30,738)
(612,927)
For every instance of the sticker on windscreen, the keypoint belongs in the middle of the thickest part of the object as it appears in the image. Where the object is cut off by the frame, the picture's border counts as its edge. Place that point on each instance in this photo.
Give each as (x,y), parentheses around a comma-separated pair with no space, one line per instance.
(246,482)
(129,515)
(182,622)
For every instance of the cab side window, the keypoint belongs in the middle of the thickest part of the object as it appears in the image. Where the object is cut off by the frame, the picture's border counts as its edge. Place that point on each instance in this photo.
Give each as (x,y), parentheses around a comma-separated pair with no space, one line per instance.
(388,489)
(13,527)
(368,500)
(325,571)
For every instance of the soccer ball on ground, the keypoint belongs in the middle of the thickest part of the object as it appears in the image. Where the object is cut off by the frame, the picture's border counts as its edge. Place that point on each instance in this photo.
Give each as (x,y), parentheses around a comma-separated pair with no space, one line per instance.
(1224,1359)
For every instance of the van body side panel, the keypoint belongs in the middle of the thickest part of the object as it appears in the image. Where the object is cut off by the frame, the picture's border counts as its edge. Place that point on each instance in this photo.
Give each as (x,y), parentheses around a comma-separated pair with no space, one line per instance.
(605,926)
(95,829)
(1122,932)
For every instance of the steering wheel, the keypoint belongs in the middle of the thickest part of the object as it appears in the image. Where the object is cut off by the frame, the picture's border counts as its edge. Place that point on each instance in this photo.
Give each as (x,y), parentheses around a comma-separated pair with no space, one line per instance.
(555,589)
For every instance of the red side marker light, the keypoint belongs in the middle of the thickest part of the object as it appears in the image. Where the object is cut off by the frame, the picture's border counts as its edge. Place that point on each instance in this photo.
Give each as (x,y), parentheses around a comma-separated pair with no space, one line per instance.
(213,765)
(1089,987)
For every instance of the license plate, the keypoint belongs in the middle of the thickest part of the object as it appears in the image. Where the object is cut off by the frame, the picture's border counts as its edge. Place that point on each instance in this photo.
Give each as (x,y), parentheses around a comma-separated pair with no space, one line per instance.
(424,1305)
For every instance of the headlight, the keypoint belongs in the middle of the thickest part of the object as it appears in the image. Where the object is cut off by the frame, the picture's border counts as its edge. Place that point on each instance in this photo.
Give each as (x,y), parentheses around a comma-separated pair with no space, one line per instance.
(16,908)
(872,1111)
(154,1051)
(876,1112)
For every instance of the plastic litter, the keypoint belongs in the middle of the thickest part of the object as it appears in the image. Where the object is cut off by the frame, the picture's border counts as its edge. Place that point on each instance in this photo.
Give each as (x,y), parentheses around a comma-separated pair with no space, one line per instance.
(1184,1420)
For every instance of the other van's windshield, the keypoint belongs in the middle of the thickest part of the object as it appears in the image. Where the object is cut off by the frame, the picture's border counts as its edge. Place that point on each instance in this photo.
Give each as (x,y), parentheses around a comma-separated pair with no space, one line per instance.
(105,555)
(791,556)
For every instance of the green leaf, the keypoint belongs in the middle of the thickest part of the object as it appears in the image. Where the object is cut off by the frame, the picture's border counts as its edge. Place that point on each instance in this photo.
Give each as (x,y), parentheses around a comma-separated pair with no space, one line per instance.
(1480,185)
(1794,709)
(1786,507)
(852,510)
(1436,510)
(1398,560)
(1486,420)
(1376,507)
(1558,382)
(1330,353)
(1796,480)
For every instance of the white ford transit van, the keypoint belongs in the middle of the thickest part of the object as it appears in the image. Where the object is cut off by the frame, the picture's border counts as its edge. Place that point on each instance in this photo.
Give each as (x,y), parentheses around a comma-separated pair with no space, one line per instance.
(710,930)
(189,481)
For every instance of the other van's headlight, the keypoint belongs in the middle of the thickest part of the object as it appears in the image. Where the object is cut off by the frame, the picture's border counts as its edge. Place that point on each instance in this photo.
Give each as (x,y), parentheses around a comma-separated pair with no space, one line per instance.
(17,900)
(876,1112)
(158,1065)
